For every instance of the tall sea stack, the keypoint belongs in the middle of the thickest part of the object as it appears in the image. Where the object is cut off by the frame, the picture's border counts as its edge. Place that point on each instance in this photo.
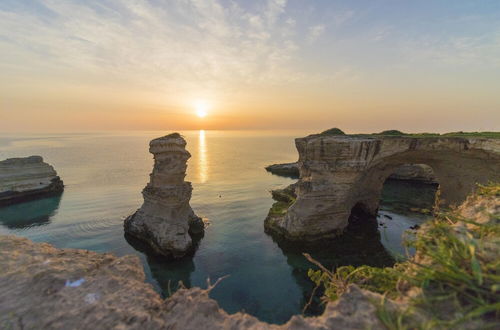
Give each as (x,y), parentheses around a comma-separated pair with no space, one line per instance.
(165,220)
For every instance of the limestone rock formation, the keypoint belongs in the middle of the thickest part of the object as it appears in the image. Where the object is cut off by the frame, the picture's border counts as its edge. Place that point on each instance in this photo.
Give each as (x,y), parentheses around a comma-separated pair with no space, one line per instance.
(408,172)
(166,221)
(47,288)
(287,170)
(340,172)
(414,172)
(23,179)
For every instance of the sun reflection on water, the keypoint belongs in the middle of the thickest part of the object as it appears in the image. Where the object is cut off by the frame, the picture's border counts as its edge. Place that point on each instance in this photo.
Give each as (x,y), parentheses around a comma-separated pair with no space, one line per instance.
(202,157)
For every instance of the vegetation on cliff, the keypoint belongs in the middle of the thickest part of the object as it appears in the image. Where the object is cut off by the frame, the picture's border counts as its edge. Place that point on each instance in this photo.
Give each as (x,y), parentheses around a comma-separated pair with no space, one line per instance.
(489,135)
(333,131)
(284,199)
(395,132)
(453,280)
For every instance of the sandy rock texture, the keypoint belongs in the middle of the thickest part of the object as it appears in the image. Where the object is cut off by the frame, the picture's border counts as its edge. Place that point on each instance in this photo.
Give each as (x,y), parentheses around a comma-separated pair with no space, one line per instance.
(338,173)
(414,172)
(409,172)
(166,221)
(27,178)
(42,287)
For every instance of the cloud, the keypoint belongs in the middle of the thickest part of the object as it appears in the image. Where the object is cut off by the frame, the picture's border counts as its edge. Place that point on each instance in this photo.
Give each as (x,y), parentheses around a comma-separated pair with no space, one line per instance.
(182,45)
(315,32)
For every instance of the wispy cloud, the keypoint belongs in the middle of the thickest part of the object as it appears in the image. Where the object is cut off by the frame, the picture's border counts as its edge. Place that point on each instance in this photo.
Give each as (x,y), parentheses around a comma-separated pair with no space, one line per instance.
(182,45)
(315,32)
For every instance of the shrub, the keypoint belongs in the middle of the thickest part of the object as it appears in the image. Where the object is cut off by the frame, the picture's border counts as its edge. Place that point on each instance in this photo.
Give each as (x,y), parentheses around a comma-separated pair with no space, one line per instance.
(333,131)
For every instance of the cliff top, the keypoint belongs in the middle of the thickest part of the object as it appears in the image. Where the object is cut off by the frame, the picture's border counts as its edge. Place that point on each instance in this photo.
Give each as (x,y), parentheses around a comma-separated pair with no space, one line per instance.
(173,138)
(22,160)
(391,134)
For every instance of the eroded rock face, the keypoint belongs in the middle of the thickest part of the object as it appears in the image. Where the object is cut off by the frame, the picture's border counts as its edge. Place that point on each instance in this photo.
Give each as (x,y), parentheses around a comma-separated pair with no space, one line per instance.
(338,172)
(42,287)
(409,172)
(414,172)
(23,179)
(166,221)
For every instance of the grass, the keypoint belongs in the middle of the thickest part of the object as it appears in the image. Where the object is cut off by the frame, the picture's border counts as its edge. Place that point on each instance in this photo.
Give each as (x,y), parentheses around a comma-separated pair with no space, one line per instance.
(490,135)
(279,208)
(394,132)
(456,273)
(284,199)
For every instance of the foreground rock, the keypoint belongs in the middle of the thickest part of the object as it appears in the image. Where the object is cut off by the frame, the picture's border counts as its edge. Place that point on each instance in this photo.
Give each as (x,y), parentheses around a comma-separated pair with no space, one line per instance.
(166,221)
(47,288)
(23,179)
(408,172)
(338,173)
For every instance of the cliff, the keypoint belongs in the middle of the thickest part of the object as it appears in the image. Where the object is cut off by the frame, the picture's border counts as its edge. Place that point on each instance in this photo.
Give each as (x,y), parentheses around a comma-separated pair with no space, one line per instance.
(339,173)
(47,288)
(165,220)
(22,179)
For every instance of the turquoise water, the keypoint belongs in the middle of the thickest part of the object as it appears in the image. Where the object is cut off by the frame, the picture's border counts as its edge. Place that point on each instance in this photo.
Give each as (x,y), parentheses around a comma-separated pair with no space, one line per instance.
(105,173)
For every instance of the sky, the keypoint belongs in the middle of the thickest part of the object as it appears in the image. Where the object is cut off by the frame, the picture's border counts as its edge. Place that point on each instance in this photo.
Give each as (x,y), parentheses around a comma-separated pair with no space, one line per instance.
(363,66)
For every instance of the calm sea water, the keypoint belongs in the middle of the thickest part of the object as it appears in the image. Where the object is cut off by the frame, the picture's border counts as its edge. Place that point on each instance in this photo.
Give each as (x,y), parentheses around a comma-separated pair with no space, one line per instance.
(105,173)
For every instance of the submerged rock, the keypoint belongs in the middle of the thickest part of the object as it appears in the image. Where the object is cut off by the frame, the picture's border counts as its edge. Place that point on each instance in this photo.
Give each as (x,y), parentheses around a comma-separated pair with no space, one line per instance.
(23,179)
(47,288)
(166,221)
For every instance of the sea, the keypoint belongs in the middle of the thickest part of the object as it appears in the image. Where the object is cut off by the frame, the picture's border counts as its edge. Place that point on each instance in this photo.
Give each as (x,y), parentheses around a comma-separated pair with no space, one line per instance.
(104,174)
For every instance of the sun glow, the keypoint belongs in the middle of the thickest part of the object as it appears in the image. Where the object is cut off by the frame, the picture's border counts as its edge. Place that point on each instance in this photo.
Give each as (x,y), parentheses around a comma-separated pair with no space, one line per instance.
(201,109)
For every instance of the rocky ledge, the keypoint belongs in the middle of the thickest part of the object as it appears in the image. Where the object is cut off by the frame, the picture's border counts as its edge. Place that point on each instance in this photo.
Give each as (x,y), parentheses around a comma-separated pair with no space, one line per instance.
(166,221)
(407,172)
(28,178)
(47,288)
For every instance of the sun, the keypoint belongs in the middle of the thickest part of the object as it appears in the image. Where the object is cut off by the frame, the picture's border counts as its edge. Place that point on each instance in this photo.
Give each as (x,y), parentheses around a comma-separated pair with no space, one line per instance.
(201,109)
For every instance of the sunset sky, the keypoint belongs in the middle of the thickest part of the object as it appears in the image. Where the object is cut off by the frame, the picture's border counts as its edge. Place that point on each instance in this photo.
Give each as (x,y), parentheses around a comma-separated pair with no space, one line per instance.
(370,65)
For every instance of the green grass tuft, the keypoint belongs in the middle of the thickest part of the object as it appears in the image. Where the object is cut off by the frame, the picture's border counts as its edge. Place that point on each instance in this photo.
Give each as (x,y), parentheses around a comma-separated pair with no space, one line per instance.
(456,272)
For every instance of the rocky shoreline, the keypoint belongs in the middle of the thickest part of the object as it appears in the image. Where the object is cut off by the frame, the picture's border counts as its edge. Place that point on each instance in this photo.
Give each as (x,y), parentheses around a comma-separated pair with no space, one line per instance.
(45,287)
(24,179)
(49,288)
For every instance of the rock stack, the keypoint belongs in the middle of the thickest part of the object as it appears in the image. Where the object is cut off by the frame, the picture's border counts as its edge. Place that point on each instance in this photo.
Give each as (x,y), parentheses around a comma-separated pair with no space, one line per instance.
(23,179)
(166,221)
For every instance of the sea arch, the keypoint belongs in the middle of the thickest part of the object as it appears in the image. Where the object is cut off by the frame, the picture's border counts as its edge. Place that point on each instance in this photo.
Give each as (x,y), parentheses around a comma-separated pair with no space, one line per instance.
(338,172)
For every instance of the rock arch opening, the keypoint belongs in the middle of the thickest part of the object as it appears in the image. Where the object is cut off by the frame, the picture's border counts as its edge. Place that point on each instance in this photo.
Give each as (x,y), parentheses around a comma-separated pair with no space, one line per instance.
(410,188)
(360,218)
